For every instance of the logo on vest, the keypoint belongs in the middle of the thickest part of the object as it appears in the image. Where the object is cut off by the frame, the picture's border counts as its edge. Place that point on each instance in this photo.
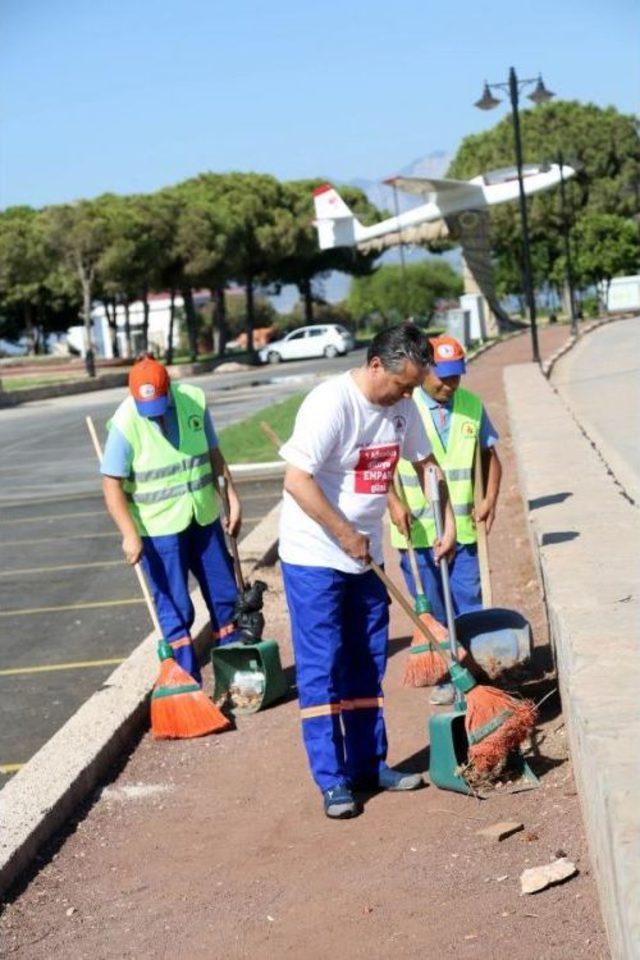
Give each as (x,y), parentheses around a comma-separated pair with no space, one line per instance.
(399,423)
(468,430)
(147,391)
(195,422)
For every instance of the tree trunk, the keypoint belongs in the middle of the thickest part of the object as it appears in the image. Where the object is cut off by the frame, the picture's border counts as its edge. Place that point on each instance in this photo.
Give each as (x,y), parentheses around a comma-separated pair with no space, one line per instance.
(127,329)
(29,328)
(112,320)
(307,296)
(190,313)
(221,319)
(89,357)
(250,319)
(145,321)
(172,316)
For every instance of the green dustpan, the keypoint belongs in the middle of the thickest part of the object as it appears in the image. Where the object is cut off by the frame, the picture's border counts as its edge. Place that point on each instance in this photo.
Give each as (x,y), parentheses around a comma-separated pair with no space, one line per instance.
(250,673)
(449,744)
(449,752)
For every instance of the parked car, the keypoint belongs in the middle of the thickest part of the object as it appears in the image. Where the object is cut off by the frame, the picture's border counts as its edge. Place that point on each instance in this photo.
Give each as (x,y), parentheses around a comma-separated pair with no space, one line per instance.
(321,340)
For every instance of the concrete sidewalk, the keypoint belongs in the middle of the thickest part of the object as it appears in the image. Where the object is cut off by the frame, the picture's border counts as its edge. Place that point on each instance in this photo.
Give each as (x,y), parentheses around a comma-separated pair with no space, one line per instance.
(586,536)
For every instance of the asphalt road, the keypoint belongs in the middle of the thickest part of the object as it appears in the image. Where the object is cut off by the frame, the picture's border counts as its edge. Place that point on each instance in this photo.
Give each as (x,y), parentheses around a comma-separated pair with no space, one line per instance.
(599,380)
(46,451)
(70,609)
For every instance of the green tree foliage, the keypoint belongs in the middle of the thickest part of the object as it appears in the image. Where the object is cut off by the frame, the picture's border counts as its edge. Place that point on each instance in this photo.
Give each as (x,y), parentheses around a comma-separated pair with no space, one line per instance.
(395,294)
(37,294)
(207,232)
(603,146)
(605,246)
(78,234)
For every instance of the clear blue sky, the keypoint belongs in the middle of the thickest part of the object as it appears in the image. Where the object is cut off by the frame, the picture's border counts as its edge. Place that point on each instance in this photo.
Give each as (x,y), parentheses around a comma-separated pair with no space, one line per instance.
(104,95)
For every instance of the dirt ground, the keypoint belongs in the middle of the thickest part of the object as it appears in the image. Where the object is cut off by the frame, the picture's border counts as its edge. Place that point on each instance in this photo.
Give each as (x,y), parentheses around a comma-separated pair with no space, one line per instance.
(218,847)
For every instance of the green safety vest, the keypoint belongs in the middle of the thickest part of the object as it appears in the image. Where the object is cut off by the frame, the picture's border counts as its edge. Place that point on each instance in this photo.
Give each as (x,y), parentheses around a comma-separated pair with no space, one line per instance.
(168,487)
(457,464)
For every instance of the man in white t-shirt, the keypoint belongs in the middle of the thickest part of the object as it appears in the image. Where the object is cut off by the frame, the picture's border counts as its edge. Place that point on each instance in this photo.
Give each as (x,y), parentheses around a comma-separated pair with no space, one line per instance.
(347,439)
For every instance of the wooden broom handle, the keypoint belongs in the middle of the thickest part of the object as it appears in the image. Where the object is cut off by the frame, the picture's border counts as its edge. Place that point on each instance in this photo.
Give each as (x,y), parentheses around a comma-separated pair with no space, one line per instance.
(233,543)
(413,562)
(481,528)
(136,566)
(406,606)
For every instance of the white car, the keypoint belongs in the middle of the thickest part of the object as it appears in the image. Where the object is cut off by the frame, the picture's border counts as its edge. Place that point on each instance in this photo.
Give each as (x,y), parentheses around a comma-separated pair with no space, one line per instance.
(322,340)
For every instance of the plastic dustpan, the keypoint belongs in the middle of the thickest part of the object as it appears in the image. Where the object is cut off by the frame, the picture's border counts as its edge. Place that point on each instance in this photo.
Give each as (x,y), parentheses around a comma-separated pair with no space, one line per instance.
(498,639)
(250,673)
(449,752)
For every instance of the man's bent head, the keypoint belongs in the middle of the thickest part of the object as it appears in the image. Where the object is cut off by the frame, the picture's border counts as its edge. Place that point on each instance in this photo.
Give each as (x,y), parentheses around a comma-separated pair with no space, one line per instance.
(397,361)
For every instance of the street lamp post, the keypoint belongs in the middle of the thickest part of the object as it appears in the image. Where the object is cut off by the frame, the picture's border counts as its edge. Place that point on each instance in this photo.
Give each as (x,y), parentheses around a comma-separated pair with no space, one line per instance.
(488,102)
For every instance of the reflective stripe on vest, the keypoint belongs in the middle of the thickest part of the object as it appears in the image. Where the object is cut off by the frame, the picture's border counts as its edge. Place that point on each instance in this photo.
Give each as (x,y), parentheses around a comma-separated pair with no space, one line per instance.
(457,464)
(169,487)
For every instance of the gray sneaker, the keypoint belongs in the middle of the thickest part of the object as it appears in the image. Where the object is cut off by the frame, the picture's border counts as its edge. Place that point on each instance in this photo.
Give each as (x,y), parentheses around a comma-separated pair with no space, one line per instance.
(443,695)
(339,803)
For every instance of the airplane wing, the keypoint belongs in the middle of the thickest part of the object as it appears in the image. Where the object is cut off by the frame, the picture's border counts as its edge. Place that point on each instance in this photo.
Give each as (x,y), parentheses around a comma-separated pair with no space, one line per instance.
(427,186)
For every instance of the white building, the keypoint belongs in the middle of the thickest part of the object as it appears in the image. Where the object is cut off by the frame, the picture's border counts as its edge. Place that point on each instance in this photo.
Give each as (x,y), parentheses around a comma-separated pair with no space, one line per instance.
(623,294)
(159,319)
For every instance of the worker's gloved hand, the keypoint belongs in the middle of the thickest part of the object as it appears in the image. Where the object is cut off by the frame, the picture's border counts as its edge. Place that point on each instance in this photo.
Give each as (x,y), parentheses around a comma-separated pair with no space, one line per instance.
(356,545)
(233,523)
(444,548)
(486,510)
(132,548)
(400,515)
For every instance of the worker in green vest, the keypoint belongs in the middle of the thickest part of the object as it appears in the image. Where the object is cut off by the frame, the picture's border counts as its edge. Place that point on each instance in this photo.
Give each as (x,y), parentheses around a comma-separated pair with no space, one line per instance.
(455,421)
(160,471)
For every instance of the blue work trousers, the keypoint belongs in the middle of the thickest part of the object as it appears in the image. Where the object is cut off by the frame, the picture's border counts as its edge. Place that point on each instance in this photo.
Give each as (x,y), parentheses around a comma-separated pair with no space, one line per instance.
(340,631)
(167,561)
(464,577)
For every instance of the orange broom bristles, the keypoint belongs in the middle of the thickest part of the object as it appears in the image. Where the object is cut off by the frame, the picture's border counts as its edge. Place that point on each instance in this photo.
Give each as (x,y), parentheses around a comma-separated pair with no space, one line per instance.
(179,708)
(424,666)
(496,725)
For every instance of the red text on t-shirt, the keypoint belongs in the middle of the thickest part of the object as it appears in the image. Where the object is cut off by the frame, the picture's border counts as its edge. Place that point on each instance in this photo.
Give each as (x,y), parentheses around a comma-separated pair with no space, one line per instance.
(375,466)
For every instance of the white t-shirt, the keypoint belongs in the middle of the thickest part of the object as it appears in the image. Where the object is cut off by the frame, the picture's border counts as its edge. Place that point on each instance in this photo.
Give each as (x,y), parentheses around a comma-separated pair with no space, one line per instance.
(351,447)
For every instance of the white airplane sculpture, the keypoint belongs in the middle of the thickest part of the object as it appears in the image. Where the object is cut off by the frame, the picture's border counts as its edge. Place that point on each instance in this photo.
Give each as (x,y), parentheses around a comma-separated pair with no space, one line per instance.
(338,227)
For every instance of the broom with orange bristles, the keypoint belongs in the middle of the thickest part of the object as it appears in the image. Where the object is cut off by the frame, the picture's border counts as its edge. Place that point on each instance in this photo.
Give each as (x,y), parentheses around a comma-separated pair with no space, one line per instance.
(179,708)
(423,667)
(496,723)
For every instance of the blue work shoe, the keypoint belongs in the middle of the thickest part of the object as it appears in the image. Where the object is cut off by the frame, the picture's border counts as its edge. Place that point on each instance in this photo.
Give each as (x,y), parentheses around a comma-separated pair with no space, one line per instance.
(339,802)
(389,779)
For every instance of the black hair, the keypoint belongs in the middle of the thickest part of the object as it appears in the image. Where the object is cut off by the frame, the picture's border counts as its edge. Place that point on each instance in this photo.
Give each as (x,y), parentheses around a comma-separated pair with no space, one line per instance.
(395,345)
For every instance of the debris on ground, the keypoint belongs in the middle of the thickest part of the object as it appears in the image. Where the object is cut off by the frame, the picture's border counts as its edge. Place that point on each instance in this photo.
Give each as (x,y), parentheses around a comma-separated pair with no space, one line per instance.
(539,878)
(500,831)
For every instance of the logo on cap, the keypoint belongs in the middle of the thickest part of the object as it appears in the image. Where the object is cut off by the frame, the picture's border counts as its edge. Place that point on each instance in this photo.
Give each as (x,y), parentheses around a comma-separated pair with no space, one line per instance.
(147,391)
(445,350)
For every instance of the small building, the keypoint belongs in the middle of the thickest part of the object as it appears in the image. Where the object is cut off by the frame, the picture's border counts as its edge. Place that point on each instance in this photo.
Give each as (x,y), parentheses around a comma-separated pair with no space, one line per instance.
(159,322)
(623,294)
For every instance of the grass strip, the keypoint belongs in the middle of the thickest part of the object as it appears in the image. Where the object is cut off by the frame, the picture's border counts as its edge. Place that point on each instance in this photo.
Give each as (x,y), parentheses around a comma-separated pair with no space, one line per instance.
(246,442)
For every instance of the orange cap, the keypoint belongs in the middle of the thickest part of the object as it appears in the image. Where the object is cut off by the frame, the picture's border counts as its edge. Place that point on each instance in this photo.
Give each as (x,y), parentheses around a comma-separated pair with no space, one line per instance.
(149,384)
(448,356)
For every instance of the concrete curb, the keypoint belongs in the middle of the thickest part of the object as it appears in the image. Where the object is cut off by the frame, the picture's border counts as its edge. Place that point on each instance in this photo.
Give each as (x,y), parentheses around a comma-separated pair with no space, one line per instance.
(257,471)
(585,538)
(44,793)
(107,382)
